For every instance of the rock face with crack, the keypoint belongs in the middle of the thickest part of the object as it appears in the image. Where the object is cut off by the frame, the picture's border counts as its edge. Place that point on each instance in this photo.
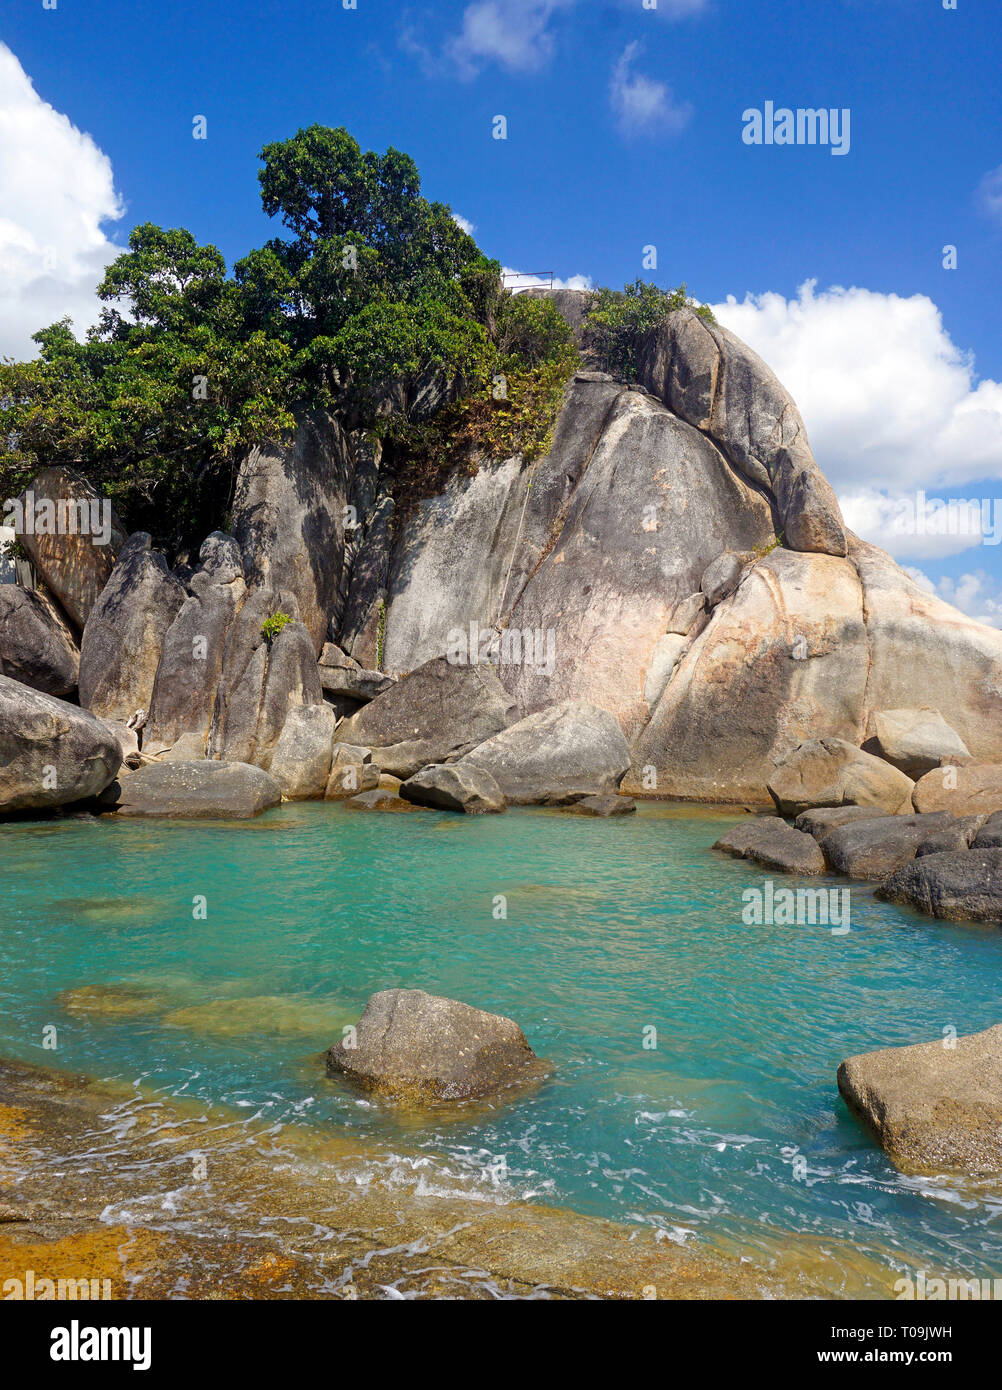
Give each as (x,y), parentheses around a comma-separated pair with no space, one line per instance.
(934,1108)
(418,1047)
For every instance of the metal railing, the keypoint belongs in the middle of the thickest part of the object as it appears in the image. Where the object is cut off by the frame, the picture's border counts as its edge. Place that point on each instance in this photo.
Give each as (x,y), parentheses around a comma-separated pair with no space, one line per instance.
(536,278)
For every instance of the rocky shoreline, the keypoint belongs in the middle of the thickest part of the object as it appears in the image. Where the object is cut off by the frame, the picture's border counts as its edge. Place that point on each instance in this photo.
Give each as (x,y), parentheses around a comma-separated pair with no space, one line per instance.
(314,1223)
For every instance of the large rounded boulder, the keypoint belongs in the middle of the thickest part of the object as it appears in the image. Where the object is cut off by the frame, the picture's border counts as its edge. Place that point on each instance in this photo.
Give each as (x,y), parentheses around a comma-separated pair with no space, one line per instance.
(51,753)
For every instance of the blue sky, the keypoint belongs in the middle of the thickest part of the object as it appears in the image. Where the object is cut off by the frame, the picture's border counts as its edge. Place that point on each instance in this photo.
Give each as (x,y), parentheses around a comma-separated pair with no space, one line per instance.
(624,131)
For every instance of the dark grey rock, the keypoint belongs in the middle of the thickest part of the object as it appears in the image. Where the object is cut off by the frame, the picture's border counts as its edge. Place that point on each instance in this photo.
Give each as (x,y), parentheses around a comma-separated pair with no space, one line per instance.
(454,787)
(36,645)
(962,886)
(52,753)
(604,806)
(197,790)
(769,841)
(874,849)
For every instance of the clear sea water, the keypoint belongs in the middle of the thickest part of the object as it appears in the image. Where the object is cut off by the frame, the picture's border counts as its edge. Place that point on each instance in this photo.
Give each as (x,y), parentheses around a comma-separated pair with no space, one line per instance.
(731,1127)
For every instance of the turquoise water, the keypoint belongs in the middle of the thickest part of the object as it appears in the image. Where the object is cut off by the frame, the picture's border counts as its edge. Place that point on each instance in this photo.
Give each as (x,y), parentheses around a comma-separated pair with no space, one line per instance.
(731,1126)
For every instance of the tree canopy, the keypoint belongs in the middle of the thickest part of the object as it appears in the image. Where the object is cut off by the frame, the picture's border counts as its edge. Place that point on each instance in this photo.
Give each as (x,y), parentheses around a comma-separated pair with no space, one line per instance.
(368,290)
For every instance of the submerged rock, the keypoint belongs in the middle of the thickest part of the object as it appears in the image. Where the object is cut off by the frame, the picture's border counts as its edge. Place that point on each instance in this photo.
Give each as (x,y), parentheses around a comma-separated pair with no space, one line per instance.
(418,1047)
(454,787)
(932,1106)
(963,886)
(52,753)
(379,799)
(874,849)
(197,790)
(558,755)
(769,841)
(604,806)
(833,772)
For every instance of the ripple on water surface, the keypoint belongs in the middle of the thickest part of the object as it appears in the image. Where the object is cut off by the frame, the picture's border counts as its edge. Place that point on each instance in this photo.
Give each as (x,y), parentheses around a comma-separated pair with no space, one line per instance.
(731,1125)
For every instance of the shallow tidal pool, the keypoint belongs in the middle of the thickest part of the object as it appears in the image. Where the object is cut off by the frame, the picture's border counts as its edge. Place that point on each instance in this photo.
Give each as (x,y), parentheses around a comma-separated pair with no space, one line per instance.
(217,962)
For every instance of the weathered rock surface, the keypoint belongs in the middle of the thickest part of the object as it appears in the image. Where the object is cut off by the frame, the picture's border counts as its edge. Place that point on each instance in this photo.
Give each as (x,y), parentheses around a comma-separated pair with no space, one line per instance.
(418,1047)
(989,835)
(73,562)
(934,1108)
(833,772)
(430,713)
(713,380)
(378,799)
(191,660)
(125,631)
(36,645)
(454,787)
(915,740)
(784,657)
(260,683)
(826,818)
(874,849)
(355,684)
(197,790)
(667,651)
(555,756)
(963,791)
(685,614)
(301,762)
(963,886)
(288,518)
(601,806)
(51,753)
(722,576)
(769,841)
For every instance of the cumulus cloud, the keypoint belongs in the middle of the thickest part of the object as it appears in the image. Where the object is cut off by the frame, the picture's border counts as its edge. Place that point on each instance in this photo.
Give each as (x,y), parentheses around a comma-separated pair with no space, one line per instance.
(464,223)
(56,191)
(513,33)
(524,280)
(893,407)
(990,194)
(642,105)
(977,594)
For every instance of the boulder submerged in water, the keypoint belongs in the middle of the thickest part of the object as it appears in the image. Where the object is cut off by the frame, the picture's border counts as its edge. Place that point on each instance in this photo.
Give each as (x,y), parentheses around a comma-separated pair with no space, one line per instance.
(416,1047)
(205,790)
(934,1107)
(770,842)
(962,886)
(454,787)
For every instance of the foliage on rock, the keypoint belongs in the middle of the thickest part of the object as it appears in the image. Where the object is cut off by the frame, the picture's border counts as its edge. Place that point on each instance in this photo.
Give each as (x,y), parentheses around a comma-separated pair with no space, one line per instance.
(618,318)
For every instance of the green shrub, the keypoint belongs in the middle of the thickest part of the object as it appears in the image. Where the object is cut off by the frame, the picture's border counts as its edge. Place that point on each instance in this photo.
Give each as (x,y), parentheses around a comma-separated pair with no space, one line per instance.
(273,625)
(618,318)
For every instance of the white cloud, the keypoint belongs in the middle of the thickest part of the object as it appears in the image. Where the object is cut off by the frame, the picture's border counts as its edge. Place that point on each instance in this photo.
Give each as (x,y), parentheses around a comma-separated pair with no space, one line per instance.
(890,402)
(990,194)
(464,223)
(524,280)
(977,594)
(514,33)
(56,190)
(643,106)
